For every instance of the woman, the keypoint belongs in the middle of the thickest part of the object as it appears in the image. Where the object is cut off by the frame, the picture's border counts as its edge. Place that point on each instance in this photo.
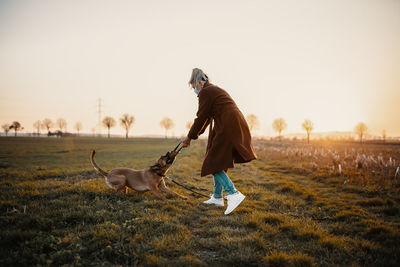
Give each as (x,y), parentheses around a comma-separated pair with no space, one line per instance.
(229,141)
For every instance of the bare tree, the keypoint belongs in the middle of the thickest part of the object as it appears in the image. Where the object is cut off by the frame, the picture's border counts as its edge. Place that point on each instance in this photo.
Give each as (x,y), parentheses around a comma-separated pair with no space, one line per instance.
(62,124)
(308,126)
(189,125)
(16,126)
(37,125)
(6,128)
(108,122)
(47,124)
(93,130)
(167,124)
(279,125)
(360,129)
(384,135)
(252,121)
(78,127)
(126,122)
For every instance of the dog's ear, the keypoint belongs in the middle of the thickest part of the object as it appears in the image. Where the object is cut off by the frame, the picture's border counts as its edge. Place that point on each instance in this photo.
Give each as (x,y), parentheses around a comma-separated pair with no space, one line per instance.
(155,167)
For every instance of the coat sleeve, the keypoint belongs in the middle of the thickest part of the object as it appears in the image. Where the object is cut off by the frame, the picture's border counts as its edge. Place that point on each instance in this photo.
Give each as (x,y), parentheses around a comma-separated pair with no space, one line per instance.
(203,115)
(205,126)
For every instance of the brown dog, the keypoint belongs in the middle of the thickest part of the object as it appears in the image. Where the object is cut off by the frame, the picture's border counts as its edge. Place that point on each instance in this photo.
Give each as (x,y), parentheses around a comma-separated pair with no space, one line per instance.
(149,179)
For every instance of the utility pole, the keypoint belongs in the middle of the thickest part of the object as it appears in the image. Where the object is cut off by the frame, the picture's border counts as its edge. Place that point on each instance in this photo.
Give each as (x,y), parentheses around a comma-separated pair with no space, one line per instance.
(99,118)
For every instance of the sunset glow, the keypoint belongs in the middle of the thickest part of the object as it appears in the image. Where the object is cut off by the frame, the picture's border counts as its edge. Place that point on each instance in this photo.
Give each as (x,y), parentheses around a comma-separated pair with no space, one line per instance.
(334,62)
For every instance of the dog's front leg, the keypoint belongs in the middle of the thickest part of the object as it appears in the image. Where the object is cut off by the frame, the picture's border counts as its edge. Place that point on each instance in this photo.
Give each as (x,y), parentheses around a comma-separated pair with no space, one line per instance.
(165,189)
(155,192)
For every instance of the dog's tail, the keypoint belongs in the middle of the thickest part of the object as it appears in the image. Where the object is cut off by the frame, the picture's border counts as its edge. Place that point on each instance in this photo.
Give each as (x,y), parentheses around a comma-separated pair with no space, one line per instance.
(97,168)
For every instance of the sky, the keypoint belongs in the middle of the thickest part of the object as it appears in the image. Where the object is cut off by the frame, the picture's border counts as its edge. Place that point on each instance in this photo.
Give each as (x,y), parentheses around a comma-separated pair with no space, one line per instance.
(335,62)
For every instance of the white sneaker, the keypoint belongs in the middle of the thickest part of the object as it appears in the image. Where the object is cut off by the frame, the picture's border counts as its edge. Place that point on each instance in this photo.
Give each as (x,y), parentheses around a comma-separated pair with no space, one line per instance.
(215,201)
(233,201)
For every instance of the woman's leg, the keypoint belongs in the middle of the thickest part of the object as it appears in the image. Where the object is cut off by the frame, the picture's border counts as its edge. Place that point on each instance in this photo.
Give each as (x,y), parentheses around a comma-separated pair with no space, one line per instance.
(216,198)
(224,180)
(217,187)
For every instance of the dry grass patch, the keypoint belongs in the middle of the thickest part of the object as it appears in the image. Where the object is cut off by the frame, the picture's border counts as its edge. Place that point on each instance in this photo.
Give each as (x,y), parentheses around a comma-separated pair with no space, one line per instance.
(302,231)
(350,216)
(281,259)
(383,234)
(189,260)
(173,243)
(273,218)
(291,188)
(373,202)
(332,242)
(391,211)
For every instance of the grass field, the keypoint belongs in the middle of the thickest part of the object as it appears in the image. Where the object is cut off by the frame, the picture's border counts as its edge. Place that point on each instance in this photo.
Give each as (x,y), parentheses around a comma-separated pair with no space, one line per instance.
(55,209)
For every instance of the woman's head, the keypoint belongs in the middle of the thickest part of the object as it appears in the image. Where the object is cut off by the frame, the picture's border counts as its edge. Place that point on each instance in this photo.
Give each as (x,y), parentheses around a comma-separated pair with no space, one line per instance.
(197,79)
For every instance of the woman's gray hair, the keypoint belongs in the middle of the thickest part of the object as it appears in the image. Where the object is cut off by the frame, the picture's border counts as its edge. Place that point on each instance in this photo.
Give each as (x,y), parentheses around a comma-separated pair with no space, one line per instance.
(197,75)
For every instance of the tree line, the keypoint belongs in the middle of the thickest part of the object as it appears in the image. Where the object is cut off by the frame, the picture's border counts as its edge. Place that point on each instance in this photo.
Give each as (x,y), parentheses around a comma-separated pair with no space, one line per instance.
(279,125)
(126,122)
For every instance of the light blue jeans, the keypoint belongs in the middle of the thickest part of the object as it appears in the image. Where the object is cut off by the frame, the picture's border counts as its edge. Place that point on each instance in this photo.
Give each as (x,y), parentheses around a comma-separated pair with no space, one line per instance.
(222,180)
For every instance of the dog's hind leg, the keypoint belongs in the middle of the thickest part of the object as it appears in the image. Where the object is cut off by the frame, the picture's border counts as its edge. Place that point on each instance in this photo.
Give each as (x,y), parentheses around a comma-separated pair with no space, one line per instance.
(117,182)
(165,189)
(122,189)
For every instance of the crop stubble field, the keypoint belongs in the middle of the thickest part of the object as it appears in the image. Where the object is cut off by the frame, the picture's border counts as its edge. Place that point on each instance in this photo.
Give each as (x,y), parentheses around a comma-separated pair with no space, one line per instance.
(301,207)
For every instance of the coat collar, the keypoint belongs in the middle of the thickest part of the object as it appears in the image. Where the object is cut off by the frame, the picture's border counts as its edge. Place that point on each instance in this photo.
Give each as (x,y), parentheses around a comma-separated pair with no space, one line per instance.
(207,84)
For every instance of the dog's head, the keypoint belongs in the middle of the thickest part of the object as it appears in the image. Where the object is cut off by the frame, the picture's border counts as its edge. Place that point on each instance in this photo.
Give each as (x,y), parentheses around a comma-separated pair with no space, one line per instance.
(165,161)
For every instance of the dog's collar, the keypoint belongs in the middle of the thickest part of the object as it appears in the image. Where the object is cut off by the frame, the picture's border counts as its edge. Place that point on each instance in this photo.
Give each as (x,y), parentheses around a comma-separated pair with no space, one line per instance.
(161,175)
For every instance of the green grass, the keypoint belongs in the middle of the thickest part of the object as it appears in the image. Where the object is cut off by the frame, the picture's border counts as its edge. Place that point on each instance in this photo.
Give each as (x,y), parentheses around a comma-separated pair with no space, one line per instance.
(55,209)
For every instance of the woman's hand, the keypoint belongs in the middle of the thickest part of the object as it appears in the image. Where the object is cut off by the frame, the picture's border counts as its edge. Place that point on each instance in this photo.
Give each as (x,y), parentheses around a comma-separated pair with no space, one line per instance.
(186,142)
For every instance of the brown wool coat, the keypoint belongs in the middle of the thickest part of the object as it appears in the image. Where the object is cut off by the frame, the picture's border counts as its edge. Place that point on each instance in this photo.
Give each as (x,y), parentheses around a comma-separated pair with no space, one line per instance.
(229,141)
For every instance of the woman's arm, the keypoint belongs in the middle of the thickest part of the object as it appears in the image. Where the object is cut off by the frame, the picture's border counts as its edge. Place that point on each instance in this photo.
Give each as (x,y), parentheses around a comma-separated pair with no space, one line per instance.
(203,114)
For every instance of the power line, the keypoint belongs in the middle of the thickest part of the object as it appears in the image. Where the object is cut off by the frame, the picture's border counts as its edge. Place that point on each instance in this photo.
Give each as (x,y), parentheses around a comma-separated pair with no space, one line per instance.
(99,117)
